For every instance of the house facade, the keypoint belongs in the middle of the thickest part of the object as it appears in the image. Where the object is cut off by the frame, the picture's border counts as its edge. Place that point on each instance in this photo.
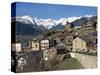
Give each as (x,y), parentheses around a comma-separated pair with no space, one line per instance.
(44,44)
(89,26)
(85,43)
(35,45)
(79,45)
(68,42)
(26,45)
(16,47)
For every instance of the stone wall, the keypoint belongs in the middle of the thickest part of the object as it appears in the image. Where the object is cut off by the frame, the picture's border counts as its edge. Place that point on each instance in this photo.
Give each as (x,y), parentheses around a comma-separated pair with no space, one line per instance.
(87,61)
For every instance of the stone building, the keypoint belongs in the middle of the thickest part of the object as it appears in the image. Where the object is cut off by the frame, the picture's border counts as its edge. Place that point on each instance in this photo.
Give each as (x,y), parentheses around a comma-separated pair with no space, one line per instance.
(49,54)
(44,44)
(16,47)
(60,49)
(79,45)
(35,45)
(69,38)
(26,45)
(83,44)
(71,35)
(89,26)
(68,26)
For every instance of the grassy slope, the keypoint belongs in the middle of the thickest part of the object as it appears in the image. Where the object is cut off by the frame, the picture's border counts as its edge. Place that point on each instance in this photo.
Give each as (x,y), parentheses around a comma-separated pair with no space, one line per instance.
(69,63)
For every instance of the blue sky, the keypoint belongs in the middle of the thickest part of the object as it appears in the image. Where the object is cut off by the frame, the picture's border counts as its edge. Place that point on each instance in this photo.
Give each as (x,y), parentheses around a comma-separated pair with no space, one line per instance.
(52,11)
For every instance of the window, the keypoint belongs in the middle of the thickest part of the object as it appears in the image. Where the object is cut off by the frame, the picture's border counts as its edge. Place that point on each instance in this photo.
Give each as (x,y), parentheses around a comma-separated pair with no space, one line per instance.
(45,56)
(46,52)
(35,45)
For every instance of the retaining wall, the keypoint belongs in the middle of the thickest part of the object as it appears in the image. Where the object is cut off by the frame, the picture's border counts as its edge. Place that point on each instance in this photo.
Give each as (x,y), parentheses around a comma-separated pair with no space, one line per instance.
(87,61)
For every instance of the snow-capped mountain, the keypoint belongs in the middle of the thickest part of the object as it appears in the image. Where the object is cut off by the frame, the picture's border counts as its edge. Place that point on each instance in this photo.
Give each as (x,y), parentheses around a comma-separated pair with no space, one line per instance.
(32,25)
(47,23)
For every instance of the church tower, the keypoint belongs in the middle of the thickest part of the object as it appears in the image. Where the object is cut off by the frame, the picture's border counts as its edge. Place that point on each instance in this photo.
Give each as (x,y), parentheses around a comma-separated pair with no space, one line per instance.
(68,26)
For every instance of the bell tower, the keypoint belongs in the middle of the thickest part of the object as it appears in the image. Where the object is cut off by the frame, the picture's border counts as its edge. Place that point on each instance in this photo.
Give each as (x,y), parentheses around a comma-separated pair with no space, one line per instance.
(67,26)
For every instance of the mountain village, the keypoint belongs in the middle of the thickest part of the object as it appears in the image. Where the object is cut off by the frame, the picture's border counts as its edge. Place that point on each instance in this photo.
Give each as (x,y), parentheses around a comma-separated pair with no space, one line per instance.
(53,47)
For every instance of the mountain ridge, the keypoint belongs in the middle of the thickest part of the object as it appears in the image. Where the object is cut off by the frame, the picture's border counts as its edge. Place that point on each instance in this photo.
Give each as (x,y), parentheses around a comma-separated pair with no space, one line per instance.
(47,23)
(31,27)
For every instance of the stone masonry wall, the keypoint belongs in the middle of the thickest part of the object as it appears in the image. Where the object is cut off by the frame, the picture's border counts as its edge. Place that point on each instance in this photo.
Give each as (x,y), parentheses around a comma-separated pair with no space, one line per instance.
(87,61)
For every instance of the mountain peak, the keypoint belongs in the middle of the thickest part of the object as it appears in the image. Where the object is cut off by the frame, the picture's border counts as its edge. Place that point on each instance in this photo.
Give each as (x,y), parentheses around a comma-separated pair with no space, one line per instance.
(47,23)
(29,18)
